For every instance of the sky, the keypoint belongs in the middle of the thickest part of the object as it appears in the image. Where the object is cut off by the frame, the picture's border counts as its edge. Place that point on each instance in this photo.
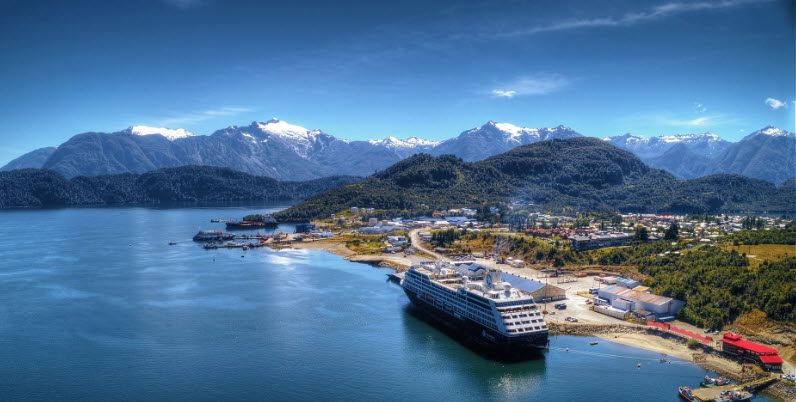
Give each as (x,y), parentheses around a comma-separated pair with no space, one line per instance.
(369,69)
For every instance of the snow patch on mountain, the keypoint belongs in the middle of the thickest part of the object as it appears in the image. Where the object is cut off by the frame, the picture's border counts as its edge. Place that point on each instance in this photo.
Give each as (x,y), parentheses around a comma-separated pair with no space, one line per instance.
(284,129)
(411,142)
(669,139)
(771,131)
(170,134)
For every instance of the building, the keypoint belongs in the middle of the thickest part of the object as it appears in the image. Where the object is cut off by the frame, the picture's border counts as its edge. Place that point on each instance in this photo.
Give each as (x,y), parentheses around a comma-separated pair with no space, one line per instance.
(378,229)
(642,303)
(628,283)
(540,291)
(599,240)
(397,240)
(765,356)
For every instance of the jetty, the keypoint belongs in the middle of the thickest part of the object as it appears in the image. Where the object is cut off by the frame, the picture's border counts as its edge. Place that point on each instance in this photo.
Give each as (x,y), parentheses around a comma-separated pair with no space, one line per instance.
(714,393)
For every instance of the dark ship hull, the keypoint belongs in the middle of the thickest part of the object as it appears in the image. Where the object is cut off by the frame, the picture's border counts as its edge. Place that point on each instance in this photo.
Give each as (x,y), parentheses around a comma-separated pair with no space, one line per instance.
(516,346)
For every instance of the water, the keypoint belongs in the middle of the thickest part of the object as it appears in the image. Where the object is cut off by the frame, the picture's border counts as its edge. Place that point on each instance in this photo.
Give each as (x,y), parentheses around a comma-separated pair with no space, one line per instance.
(95,305)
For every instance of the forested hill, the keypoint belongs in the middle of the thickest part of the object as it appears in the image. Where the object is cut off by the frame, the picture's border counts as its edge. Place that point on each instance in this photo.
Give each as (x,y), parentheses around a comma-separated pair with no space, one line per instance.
(27,188)
(558,175)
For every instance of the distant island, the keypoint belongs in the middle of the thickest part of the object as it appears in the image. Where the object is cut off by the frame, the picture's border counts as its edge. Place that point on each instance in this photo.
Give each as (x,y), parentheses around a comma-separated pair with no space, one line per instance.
(569,175)
(36,188)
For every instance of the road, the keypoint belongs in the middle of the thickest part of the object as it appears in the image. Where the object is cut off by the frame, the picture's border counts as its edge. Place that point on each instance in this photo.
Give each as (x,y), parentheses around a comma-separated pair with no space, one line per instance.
(414,238)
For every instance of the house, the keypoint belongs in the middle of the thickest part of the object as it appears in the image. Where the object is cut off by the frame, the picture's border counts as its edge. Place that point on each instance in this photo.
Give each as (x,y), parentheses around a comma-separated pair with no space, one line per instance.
(599,240)
(469,212)
(397,240)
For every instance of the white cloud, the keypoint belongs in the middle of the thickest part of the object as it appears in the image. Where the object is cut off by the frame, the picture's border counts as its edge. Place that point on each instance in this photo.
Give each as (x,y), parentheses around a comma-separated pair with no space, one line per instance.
(202,115)
(536,84)
(502,93)
(650,14)
(775,103)
(699,108)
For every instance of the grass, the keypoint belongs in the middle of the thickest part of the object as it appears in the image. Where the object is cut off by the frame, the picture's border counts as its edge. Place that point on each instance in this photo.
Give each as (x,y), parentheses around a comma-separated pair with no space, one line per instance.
(761,252)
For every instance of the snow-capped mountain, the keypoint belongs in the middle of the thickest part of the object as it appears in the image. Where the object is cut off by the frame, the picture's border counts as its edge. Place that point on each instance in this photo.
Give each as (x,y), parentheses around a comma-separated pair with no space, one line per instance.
(493,138)
(770,131)
(705,144)
(407,147)
(286,151)
(170,134)
(768,154)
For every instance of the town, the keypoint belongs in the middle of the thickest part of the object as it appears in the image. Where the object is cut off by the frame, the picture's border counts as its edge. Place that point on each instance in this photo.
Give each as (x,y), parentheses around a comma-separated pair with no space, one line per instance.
(576,267)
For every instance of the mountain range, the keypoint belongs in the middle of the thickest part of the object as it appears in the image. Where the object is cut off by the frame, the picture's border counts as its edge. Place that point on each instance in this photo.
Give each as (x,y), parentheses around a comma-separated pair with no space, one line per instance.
(284,151)
(568,175)
(768,154)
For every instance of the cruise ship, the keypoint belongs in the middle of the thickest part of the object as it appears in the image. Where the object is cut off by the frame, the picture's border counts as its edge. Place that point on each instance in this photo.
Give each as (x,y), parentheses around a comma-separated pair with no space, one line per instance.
(474,299)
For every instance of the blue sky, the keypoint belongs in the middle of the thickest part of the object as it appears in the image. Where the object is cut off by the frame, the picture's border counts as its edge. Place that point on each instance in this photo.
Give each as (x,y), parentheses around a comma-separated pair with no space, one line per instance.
(368,69)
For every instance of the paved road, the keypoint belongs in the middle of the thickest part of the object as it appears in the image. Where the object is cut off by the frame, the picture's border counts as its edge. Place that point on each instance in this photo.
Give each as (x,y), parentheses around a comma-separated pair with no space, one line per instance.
(414,238)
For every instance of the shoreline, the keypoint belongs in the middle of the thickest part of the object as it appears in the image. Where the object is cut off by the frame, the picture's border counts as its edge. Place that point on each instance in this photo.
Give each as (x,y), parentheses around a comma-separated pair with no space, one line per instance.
(627,334)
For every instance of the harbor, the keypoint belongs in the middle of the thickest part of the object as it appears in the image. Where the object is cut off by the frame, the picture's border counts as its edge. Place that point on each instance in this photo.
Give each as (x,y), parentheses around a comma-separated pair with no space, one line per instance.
(208,317)
(403,251)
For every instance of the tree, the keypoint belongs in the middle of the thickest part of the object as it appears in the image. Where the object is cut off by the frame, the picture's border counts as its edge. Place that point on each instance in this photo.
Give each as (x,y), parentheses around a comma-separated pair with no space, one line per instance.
(673,232)
(641,233)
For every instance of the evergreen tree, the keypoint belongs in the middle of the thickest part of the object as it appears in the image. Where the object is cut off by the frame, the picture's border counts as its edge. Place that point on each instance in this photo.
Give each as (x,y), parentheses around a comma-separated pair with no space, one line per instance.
(673,232)
(642,234)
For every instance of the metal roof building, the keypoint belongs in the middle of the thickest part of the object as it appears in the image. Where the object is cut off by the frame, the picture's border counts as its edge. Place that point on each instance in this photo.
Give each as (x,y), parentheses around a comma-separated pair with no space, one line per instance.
(631,300)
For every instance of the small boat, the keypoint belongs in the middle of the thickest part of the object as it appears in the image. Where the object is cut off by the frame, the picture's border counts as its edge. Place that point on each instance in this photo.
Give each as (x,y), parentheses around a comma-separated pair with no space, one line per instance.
(172,243)
(210,246)
(709,382)
(685,393)
(215,220)
(734,395)
(593,343)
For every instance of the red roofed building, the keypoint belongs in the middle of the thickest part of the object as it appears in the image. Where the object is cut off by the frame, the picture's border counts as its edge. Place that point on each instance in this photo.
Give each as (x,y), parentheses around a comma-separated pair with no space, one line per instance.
(765,356)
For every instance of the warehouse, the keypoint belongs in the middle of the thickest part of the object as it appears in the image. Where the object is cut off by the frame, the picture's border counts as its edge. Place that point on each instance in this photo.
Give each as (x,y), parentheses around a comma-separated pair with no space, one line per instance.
(630,300)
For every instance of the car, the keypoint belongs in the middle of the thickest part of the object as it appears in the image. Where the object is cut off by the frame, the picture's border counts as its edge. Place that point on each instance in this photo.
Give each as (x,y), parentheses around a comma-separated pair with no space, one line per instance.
(571,319)
(561,306)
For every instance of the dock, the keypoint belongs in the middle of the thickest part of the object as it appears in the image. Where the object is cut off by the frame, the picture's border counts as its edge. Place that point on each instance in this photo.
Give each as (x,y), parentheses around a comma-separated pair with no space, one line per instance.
(710,394)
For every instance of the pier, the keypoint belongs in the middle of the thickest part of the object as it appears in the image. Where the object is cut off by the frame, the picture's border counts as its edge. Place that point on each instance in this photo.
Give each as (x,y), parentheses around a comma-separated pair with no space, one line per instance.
(714,393)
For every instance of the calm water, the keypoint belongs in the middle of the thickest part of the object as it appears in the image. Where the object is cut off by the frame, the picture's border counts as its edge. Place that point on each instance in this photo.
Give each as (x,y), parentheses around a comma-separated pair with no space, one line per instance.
(95,305)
